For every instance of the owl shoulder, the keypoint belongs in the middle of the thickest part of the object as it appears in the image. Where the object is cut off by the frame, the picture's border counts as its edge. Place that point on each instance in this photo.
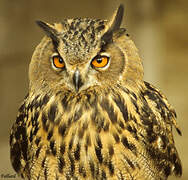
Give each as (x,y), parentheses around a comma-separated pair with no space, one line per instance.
(162,104)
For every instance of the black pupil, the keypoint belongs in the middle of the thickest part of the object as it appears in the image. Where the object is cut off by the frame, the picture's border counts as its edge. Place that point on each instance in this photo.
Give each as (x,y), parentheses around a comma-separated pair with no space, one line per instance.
(99,60)
(60,60)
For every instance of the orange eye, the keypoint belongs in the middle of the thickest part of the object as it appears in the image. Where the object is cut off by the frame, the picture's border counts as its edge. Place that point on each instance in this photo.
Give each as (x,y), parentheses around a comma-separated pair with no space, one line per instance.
(58,62)
(100,61)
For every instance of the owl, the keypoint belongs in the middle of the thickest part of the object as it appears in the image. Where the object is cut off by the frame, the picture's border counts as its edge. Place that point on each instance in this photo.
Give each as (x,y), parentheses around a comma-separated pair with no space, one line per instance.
(89,114)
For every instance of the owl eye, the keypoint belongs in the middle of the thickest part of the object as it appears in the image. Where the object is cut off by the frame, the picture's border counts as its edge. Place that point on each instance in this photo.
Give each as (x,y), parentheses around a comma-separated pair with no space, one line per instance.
(58,62)
(100,61)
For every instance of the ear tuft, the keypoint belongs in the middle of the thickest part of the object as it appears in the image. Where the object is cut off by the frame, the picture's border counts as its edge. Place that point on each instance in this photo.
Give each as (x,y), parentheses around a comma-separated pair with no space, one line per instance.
(49,31)
(117,18)
(114,24)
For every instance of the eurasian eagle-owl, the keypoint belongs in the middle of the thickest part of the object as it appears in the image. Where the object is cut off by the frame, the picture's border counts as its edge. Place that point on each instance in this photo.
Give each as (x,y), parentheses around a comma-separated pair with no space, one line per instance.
(89,114)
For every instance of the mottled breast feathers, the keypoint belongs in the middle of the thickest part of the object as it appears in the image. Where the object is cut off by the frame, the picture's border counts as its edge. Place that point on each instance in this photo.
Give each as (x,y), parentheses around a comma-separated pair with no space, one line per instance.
(112,133)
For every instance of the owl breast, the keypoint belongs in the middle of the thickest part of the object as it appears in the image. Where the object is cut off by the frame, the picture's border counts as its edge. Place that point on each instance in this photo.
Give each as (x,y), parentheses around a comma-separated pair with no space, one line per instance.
(88,136)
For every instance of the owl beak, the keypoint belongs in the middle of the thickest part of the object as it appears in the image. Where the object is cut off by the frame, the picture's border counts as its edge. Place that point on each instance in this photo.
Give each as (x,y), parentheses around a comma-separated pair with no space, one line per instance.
(77,81)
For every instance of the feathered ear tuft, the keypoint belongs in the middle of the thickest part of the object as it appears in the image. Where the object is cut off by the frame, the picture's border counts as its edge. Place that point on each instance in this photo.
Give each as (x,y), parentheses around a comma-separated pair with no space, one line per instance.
(114,24)
(49,31)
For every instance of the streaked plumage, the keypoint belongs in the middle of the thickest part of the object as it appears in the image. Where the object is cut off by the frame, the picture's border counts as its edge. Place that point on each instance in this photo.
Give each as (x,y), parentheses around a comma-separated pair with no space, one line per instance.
(86,123)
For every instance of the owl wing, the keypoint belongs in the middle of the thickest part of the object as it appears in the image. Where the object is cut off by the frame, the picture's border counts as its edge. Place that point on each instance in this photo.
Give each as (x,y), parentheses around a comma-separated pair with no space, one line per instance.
(19,141)
(159,136)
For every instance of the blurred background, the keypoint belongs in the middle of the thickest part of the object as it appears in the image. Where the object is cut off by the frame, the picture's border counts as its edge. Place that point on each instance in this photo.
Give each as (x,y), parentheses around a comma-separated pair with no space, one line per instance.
(158,27)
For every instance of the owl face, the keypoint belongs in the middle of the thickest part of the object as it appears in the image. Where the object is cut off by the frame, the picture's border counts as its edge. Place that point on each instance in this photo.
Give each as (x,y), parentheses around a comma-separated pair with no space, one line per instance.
(79,54)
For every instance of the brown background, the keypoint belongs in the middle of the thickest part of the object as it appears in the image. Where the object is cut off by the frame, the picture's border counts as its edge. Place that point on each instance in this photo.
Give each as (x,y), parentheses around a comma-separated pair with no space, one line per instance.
(158,27)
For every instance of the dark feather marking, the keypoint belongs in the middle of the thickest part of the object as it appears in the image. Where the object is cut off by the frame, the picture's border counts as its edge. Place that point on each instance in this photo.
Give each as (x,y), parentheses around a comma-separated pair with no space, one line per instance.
(92,100)
(121,176)
(15,156)
(53,148)
(146,111)
(82,170)
(99,28)
(48,152)
(110,110)
(30,106)
(130,129)
(77,152)
(116,137)
(124,89)
(72,165)
(111,168)
(129,162)
(38,151)
(99,154)
(134,95)
(36,128)
(122,107)
(43,101)
(11,138)
(69,122)
(135,105)
(62,148)
(98,149)
(97,170)
(61,164)
(44,122)
(92,167)
(43,162)
(121,124)
(64,103)
(97,120)
(71,143)
(62,129)
(151,95)
(133,131)
(52,112)
(111,150)
(22,108)
(31,136)
(88,140)
(85,126)
(99,143)
(81,133)
(119,130)
(45,173)
(20,118)
(106,126)
(20,132)
(178,169)
(94,115)
(103,175)
(165,141)
(78,115)
(50,134)
(127,144)
(35,118)
(150,87)
(167,170)
(38,177)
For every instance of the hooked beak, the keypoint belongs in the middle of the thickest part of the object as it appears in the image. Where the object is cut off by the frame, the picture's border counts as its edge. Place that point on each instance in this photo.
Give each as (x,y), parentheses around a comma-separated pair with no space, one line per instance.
(77,81)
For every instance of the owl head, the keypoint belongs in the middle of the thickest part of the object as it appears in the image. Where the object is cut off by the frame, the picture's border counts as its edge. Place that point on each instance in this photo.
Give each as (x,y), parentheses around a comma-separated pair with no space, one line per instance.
(81,54)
